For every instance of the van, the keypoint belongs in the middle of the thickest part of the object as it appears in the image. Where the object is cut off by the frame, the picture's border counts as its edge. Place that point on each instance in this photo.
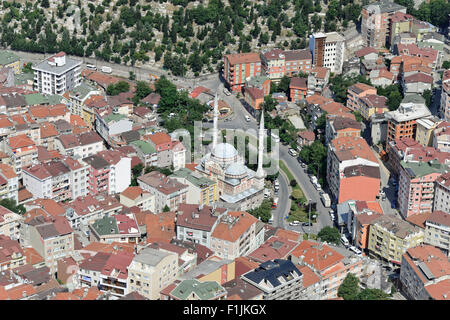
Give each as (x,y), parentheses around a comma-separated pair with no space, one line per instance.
(106,69)
(344,241)
(91,67)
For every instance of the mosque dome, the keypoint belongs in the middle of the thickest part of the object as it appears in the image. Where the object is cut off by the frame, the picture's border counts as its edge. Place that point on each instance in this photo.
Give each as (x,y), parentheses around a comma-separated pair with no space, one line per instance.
(224,151)
(236,169)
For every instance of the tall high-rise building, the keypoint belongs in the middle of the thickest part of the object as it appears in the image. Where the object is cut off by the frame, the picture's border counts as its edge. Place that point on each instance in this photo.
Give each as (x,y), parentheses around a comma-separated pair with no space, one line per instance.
(327,50)
(376,22)
(57,74)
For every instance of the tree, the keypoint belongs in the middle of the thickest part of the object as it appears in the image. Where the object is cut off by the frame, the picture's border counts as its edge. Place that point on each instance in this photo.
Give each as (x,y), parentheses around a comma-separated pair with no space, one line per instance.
(45,4)
(142,89)
(264,212)
(137,169)
(446,64)
(166,208)
(329,234)
(427,95)
(349,288)
(132,76)
(293,183)
(358,116)
(372,294)
(27,68)
(11,204)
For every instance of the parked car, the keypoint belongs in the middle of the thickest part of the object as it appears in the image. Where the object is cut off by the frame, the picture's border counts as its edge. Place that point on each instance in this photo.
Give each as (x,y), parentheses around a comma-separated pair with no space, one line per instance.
(333,217)
(293,152)
(275,203)
(247,118)
(294,223)
(225,90)
(355,250)
(344,241)
(307,224)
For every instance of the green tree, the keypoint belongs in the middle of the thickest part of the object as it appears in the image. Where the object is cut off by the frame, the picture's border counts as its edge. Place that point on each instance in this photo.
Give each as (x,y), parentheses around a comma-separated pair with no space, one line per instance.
(358,116)
(142,89)
(264,212)
(372,294)
(27,68)
(11,204)
(446,65)
(166,208)
(349,288)
(329,234)
(427,95)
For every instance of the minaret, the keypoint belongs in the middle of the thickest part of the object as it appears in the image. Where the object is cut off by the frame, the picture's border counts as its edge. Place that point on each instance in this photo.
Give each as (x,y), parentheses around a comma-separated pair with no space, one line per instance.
(216,118)
(260,174)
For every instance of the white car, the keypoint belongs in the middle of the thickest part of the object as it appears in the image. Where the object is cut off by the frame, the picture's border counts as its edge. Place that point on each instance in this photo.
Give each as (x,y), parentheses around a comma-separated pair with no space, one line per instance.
(333,217)
(247,118)
(355,250)
(294,223)
(226,91)
(293,152)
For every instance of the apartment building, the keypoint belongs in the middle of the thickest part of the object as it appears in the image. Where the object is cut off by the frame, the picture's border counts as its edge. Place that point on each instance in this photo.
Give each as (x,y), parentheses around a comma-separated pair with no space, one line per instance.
(337,127)
(151,271)
(197,223)
(107,271)
(328,50)
(277,63)
(162,143)
(119,177)
(402,122)
(12,255)
(345,152)
(424,273)
(146,152)
(376,22)
(118,228)
(57,74)
(79,146)
(49,180)
(201,190)
(400,23)
(10,60)
(278,279)
(136,197)
(437,230)
(192,289)
(445,96)
(9,183)
(390,237)
(168,191)
(298,89)
(356,92)
(425,128)
(416,186)
(98,172)
(235,235)
(79,95)
(330,266)
(23,152)
(416,83)
(440,137)
(240,66)
(318,80)
(109,124)
(372,104)
(442,193)
(10,223)
(51,237)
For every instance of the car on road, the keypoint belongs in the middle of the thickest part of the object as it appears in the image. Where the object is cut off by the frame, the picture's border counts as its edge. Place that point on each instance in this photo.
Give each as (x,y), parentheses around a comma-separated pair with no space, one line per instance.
(299,160)
(294,223)
(106,69)
(275,203)
(333,216)
(276,185)
(225,90)
(293,152)
(355,250)
(275,137)
(91,67)
(303,165)
(345,241)
(307,224)
(247,118)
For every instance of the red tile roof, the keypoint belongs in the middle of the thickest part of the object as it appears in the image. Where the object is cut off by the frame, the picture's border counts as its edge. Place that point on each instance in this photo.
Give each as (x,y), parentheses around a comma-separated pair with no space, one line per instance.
(318,255)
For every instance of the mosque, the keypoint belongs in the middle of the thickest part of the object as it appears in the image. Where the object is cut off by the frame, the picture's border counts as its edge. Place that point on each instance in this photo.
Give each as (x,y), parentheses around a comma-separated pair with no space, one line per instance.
(239,187)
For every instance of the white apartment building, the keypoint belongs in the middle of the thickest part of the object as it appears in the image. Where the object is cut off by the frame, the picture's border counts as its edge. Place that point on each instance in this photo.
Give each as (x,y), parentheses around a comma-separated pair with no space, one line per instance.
(445,96)
(151,271)
(57,74)
(119,177)
(9,223)
(328,50)
(442,193)
(437,230)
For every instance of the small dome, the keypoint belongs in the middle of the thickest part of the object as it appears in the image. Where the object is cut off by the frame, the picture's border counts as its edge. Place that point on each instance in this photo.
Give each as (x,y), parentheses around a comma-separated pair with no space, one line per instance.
(224,151)
(236,169)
